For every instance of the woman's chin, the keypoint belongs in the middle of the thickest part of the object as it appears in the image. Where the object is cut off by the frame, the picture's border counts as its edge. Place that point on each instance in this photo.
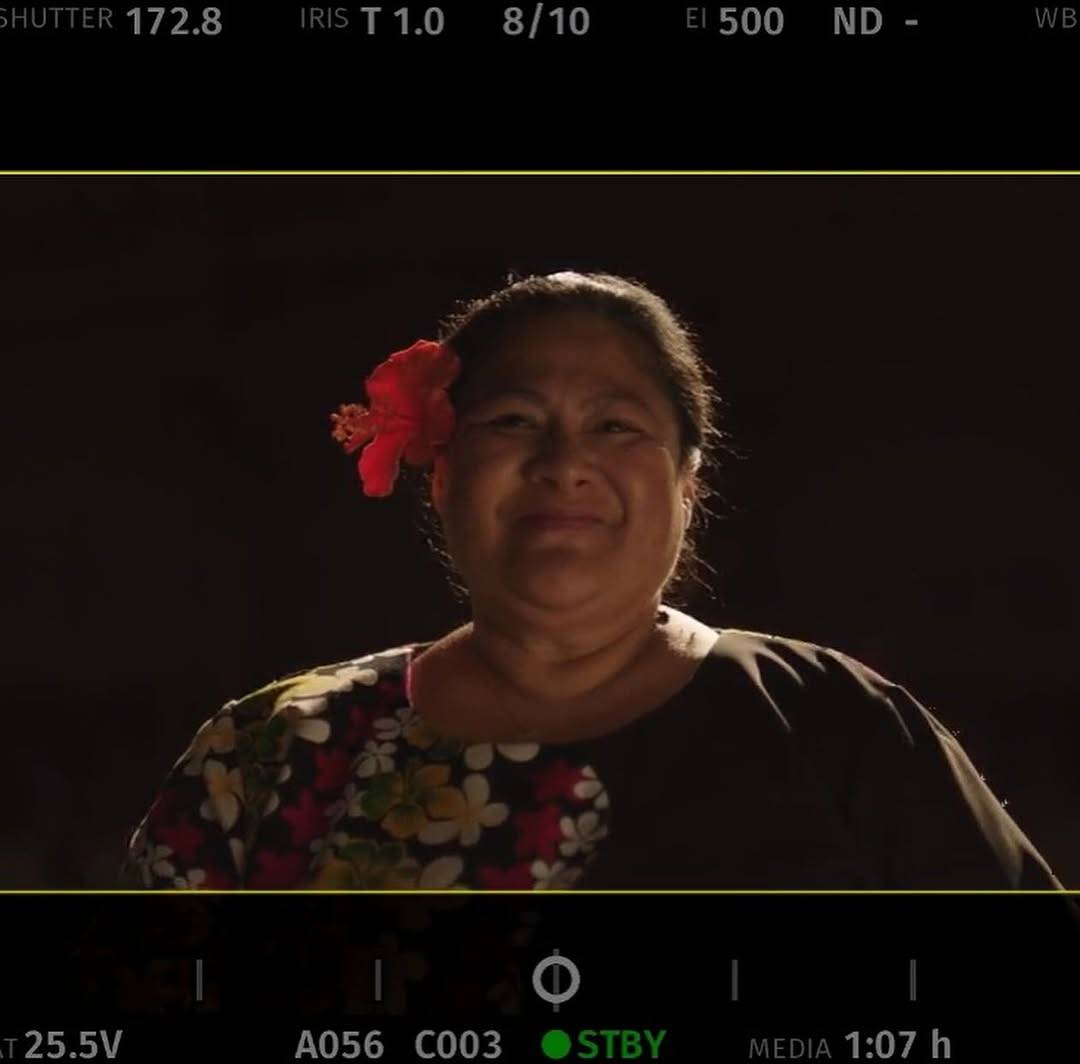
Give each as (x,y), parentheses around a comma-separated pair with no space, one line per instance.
(551,587)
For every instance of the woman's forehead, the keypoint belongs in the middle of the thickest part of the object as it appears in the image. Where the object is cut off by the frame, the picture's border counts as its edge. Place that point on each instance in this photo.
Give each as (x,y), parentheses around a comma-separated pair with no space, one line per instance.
(579,353)
(585,385)
(561,330)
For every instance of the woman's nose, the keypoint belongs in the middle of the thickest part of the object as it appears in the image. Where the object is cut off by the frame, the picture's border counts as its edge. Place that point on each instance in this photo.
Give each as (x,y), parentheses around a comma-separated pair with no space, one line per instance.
(562,456)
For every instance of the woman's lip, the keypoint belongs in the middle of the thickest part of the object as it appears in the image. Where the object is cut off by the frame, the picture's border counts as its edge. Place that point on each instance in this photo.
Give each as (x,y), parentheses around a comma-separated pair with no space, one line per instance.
(558,520)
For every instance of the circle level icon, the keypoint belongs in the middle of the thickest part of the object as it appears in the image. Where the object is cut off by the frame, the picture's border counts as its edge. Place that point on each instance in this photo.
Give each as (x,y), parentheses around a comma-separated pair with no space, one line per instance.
(557,962)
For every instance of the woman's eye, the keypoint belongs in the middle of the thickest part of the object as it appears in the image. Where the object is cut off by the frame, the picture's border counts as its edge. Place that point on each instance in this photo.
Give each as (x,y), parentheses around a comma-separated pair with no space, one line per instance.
(510,421)
(610,426)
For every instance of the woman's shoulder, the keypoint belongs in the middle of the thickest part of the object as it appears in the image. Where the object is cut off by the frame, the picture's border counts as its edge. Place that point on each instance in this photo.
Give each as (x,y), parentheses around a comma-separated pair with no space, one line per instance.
(925,815)
(274,747)
(804,684)
(308,689)
(801,659)
(828,705)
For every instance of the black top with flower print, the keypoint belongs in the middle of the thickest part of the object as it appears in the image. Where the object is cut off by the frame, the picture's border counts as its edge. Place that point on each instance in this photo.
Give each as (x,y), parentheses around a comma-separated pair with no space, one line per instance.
(781,764)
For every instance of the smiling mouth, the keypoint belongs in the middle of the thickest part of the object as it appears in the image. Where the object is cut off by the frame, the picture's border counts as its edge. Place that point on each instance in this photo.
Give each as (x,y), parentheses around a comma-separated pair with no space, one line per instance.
(542,521)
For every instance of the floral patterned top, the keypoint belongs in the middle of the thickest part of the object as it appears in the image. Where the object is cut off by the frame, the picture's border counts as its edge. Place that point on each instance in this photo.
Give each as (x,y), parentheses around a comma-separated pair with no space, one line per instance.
(328,778)
(781,764)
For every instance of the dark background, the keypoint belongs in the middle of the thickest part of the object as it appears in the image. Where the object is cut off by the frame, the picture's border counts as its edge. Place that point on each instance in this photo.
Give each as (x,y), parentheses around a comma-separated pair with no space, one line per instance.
(895,354)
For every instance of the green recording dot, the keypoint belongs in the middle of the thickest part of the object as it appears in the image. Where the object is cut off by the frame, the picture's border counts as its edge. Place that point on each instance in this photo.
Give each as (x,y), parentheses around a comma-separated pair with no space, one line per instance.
(555,1044)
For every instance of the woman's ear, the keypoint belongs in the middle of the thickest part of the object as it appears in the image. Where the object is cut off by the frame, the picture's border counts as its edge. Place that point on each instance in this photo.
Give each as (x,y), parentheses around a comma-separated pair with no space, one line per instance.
(690,487)
(689,499)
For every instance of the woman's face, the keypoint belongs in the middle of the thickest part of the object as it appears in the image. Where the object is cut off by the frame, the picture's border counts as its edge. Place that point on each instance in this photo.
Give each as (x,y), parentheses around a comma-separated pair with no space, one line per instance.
(566,420)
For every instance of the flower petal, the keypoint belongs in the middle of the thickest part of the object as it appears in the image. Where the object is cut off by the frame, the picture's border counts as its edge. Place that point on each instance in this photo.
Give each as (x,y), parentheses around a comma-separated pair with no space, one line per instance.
(477,790)
(444,802)
(493,815)
(418,451)
(434,775)
(404,820)
(380,462)
(227,808)
(441,873)
(519,751)
(479,756)
(315,731)
(437,831)
(214,773)
(443,366)
(335,874)
(236,849)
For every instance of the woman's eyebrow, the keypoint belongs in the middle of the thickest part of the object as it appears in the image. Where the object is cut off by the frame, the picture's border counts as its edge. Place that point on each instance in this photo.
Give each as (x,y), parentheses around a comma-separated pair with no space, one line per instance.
(539,397)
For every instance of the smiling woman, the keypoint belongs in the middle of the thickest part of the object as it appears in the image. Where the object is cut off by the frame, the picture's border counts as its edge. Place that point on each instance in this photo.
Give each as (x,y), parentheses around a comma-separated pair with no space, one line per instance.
(577,731)
(544,443)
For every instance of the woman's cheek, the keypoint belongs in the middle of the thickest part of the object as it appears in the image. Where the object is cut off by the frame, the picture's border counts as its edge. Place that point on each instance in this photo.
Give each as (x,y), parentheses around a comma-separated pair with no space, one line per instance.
(474,499)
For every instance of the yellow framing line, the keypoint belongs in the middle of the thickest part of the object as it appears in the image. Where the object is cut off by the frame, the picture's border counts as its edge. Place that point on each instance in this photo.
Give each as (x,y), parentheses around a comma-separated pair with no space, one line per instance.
(538,173)
(541,893)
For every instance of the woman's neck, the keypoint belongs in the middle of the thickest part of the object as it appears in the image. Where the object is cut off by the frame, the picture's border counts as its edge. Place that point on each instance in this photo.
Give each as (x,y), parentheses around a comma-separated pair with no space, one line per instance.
(548,666)
(484,687)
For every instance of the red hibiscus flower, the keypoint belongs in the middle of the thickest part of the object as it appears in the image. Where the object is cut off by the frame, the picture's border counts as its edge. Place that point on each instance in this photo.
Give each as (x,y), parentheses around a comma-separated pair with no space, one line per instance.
(183,838)
(539,833)
(410,414)
(392,690)
(332,769)
(164,806)
(357,728)
(307,818)
(516,877)
(556,780)
(278,870)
